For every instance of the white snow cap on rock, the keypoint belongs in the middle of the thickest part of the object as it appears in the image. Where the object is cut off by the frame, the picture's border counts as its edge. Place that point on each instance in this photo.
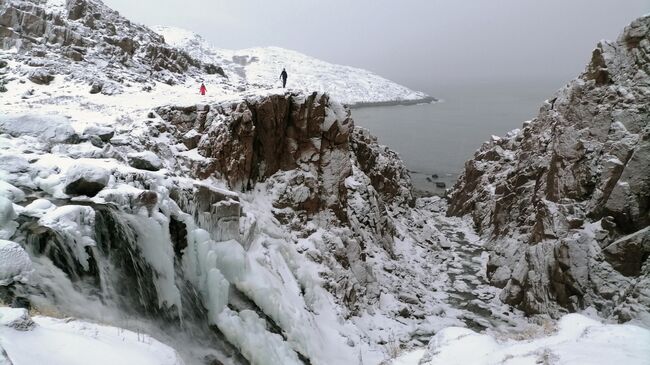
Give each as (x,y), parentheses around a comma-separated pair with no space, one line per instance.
(50,128)
(87,172)
(15,264)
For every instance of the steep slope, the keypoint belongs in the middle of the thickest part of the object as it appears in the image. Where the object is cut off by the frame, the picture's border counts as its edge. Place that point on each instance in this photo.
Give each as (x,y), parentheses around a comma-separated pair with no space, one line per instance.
(261,67)
(565,199)
(84,41)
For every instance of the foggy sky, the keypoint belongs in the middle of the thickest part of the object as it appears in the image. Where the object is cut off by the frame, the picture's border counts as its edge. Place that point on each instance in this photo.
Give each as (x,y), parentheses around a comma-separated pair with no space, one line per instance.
(418,43)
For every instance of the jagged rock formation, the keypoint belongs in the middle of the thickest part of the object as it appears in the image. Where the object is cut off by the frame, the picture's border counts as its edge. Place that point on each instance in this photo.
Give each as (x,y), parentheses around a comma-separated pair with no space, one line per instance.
(248,142)
(313,160)
(565,199)
(66,38)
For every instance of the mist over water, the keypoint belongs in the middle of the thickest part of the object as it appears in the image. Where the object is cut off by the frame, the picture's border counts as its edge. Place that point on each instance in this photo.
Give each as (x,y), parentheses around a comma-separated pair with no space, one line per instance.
(437,139)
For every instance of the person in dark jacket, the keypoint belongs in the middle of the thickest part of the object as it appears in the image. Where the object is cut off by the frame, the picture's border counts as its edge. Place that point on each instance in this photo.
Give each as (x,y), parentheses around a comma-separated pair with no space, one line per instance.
(283,77)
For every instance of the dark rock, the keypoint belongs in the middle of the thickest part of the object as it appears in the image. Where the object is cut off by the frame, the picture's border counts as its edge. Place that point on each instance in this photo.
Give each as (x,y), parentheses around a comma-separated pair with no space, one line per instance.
(41,77)
(96,87)
(388,175)
(441,185)
(96,141)
(147,199)
(103,133)
(76,9)
(74,55)
(85,180)
(628,254)
(144,161)
(404,312)
(211,69)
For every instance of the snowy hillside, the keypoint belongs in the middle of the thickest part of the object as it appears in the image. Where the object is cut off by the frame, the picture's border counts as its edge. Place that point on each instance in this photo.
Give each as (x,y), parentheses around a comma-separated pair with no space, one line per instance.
(262,66)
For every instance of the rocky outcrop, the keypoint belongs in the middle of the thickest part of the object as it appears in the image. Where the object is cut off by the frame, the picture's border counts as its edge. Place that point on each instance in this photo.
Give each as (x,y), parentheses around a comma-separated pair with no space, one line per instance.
(387,173)
(248,142)
(305,153)
(95,37)
(565,199)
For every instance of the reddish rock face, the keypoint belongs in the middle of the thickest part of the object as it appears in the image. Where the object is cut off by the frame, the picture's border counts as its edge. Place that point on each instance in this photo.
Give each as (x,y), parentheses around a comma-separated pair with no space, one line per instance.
(249,141)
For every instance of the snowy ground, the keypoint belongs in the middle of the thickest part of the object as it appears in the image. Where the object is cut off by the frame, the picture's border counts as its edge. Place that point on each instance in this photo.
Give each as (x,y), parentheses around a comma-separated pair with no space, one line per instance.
(577,340)
(46,340)
(261,67)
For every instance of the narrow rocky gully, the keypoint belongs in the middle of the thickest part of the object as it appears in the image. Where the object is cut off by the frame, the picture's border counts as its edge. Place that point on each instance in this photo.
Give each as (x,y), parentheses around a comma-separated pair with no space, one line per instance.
(441,279)
(464,260)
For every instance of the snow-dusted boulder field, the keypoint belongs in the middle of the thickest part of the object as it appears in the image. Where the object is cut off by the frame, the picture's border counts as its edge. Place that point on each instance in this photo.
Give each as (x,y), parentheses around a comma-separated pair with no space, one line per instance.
(565,200)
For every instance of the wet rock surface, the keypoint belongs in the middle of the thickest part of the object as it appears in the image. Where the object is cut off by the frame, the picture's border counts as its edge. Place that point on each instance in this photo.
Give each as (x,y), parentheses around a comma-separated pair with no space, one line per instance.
(564,199)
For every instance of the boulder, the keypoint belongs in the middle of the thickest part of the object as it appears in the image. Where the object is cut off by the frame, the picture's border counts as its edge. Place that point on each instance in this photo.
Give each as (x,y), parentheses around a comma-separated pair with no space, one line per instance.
(16,318)
(104,133)
(48,128)
(145,161)
(40,77)
(85,179)
(96,87)
(15,264)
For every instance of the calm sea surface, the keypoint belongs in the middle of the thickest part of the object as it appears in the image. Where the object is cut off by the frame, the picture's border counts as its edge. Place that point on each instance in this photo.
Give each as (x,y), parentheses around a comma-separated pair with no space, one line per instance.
(437,139)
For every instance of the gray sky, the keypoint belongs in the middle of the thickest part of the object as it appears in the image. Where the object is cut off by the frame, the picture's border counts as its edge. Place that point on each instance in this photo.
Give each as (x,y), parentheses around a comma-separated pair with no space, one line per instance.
(418,43)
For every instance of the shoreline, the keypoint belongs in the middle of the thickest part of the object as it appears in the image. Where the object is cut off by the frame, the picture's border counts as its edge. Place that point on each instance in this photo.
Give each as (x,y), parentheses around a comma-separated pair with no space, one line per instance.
(369,104)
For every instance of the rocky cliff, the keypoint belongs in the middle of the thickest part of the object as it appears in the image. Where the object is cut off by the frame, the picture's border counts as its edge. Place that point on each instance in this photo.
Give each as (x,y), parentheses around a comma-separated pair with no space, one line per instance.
(66,39)
(565,200)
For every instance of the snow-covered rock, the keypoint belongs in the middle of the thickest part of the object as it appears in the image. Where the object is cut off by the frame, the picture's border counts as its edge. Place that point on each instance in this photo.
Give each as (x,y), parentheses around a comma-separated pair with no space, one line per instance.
(86,179)
(146,160)
(15,264)
(48,128)
(15,318)
(90,42)
(565,198)
(104,133)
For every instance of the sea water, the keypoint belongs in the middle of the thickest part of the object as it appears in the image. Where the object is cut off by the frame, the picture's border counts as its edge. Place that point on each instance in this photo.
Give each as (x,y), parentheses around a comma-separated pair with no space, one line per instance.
(436,139)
